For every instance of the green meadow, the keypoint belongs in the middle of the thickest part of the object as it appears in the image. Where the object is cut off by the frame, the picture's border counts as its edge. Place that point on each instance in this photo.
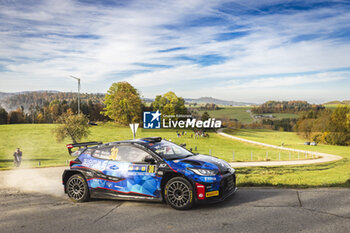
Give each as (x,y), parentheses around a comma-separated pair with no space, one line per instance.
(242,114)
(333,174)
(280,115)
(39,144)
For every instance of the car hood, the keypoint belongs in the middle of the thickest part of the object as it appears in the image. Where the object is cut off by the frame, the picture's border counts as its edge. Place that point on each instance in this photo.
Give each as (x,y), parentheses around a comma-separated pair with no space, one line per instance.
(206,162)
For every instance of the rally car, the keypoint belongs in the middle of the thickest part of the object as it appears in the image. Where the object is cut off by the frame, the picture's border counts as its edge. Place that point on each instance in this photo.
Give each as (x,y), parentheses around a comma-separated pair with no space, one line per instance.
(151,169)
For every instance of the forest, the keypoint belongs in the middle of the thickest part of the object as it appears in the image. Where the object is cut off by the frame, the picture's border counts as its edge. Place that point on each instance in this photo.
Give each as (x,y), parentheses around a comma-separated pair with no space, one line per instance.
(293,106)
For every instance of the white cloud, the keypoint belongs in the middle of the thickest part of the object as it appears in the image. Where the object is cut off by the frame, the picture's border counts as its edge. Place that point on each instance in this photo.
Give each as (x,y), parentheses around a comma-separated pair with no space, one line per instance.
(46,41)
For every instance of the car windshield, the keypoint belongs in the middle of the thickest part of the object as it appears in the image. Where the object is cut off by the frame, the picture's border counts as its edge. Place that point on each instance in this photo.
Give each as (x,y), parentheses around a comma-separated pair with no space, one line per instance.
(169,150)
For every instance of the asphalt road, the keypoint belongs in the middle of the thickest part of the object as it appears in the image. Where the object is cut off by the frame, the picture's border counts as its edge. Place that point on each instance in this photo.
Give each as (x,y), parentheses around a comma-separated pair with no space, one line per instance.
(249,210)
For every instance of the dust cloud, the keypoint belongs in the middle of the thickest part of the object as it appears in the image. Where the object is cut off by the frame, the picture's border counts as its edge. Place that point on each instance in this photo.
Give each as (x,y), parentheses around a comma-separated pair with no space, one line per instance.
(40,180)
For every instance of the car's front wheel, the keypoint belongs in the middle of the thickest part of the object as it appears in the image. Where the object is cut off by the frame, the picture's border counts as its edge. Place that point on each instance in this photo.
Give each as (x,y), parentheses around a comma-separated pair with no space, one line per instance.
(178,193)
(77,188)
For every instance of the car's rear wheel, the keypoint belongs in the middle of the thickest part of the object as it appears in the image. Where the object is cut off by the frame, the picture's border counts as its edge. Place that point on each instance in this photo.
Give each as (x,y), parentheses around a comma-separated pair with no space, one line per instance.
(178,193)
(77,188)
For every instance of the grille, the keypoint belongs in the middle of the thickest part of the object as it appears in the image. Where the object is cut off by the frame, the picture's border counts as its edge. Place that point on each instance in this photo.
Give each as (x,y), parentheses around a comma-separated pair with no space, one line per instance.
(228,183)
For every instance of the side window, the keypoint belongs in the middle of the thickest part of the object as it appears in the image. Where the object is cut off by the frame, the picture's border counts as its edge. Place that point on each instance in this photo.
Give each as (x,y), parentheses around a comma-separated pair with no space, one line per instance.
(103,153)
(131,154)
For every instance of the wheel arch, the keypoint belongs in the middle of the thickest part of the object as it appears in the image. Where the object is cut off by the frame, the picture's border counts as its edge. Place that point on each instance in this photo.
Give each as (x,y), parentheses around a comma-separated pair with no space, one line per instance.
(169,175)
(67,174)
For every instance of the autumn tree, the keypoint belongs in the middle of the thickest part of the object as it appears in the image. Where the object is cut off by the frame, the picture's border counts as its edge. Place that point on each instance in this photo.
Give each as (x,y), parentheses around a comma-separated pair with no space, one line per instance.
(69,125)
(339,132)
(3,116)
(16,117)
(205,116)
(169,104)
(123,103)
(326,126)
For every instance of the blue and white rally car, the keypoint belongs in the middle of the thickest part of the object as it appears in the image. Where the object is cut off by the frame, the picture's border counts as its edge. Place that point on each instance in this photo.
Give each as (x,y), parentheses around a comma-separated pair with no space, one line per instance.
(147,169)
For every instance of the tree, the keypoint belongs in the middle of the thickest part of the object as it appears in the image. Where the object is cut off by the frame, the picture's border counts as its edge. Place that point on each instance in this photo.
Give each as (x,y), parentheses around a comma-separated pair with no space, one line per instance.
(339,133)
(74,126)
(123,103)
(16,117)
(331,127)
(40,118)
(169,104)
(3,116)
(205,116)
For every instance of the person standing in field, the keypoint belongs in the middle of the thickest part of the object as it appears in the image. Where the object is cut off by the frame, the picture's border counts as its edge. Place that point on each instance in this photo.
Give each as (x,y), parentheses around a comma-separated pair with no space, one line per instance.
(17,157)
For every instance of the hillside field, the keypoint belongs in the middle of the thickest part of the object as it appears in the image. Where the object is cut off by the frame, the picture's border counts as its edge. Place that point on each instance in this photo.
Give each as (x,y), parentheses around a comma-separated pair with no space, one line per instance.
(239,113)
(38,144)
(319,175)
(281,115)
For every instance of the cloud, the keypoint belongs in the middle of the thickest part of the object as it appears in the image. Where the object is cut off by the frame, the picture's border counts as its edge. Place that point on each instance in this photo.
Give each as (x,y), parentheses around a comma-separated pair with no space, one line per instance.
(155,44)
(276,82)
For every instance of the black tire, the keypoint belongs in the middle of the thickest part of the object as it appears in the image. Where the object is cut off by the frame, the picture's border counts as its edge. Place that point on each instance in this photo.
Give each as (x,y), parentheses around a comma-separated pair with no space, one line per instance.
(77,188)
(178,193)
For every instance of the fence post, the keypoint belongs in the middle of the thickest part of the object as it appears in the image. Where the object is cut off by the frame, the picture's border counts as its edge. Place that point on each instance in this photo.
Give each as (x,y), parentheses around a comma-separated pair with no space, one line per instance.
(305,155)
(289,156)
(39,163)
(298,155)
(209,151)
(279,155)
(251,155)
(267,155)
(233,155)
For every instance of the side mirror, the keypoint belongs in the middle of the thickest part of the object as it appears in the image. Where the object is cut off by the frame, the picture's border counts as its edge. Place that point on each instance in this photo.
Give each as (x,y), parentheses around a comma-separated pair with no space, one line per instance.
(150,160)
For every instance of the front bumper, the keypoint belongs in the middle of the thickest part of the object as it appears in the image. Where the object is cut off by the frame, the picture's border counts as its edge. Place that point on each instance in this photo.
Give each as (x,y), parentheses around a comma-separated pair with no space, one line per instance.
(227,188)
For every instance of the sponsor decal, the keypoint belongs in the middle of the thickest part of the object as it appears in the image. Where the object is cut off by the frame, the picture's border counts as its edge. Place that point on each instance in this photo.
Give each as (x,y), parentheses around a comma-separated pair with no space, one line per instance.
(160,173)
(200,191)
(212,193)
(95,164)
(209,179)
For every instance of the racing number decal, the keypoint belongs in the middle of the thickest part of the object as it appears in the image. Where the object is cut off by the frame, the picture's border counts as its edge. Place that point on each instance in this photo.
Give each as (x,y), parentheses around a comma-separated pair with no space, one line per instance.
(142,168)
(114,153)
(151,169)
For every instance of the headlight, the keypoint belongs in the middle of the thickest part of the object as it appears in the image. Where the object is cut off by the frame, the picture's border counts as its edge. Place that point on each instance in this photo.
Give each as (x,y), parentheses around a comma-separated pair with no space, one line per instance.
(232,170)
(203,172)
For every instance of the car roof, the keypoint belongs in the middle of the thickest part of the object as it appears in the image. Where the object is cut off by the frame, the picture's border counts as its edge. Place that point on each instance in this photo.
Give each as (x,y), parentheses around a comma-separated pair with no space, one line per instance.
(141,141)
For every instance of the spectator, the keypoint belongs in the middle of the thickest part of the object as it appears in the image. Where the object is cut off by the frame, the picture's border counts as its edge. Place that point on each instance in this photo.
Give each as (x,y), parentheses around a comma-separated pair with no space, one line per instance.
(17,157)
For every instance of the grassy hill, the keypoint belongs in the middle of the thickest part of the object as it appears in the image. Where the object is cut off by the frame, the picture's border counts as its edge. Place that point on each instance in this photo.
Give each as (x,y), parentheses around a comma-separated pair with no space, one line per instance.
(38,144)
(242,114)
(279,116)
(337,102)
(331,174)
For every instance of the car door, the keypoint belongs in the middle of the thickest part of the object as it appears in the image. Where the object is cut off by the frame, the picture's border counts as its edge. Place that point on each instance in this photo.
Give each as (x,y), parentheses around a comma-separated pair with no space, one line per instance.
(139,177)
(97,161)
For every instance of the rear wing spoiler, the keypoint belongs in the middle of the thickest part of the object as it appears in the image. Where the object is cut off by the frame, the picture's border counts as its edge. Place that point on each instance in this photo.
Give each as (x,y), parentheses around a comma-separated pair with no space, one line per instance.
(80,145)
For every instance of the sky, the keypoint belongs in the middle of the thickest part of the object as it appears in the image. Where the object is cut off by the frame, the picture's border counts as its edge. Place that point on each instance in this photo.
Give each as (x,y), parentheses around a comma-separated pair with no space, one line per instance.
(241,50)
